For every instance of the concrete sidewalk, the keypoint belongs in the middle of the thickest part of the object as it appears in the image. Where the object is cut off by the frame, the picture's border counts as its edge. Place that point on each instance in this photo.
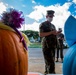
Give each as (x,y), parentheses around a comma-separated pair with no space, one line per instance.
(37,65)
(36,73)
(36,61)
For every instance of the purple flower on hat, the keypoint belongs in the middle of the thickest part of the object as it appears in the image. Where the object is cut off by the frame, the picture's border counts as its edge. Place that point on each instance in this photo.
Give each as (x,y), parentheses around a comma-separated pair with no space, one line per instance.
(17,19)
(13,18)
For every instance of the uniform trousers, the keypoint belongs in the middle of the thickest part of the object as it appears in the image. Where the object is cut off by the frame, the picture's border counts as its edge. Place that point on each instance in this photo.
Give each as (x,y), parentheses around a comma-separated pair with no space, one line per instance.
(49,57)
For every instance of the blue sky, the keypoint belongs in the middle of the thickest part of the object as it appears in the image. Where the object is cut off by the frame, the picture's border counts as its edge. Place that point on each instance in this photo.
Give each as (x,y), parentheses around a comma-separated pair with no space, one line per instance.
(35,11)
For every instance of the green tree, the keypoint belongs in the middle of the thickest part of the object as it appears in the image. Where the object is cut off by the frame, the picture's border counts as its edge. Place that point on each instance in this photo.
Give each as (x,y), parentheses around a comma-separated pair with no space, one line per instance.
(31,33)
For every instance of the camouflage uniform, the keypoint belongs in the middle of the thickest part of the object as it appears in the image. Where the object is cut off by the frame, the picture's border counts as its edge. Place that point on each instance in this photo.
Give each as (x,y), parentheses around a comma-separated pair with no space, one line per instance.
(48,45)
(60,38)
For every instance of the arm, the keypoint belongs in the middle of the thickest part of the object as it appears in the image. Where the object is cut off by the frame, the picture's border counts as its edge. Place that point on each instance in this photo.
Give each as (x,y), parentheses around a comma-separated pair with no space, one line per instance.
(43,34)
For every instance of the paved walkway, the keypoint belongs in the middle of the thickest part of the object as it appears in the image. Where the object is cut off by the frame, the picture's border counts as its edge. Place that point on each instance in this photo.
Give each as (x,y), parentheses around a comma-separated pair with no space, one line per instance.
(36,73)
(36,62)
(37,65)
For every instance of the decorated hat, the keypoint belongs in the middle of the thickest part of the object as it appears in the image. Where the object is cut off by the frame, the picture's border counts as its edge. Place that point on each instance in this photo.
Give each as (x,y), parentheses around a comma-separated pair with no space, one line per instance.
(13,18)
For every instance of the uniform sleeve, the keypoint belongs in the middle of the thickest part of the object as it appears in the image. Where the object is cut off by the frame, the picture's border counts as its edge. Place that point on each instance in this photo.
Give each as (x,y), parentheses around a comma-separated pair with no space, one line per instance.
(54,28)
(41,27)
(44,27)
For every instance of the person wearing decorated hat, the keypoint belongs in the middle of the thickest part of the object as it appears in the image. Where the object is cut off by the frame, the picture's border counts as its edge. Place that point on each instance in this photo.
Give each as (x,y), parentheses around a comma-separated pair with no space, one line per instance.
(48,33)
(13,44)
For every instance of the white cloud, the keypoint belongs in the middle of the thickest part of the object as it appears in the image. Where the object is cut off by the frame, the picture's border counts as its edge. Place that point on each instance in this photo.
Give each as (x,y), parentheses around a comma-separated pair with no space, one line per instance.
(61,14)
(34,26)
(38,12)
(2,7)
(74,1)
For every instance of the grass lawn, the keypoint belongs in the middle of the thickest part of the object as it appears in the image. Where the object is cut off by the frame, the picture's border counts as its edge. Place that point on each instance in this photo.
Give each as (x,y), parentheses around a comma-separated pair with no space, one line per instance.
(35,45)
(38,45)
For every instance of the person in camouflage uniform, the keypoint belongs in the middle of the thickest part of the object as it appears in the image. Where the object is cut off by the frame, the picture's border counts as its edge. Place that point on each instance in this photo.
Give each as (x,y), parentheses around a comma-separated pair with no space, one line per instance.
(49,42)
(60,47)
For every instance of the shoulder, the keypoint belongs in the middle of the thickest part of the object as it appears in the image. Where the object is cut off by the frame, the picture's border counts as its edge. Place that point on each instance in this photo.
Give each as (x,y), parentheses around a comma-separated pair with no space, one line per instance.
(42,24)
(53,26)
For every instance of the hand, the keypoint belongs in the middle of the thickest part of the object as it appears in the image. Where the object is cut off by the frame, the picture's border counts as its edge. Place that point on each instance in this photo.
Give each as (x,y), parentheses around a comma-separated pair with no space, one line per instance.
(58,32)
(54,32)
